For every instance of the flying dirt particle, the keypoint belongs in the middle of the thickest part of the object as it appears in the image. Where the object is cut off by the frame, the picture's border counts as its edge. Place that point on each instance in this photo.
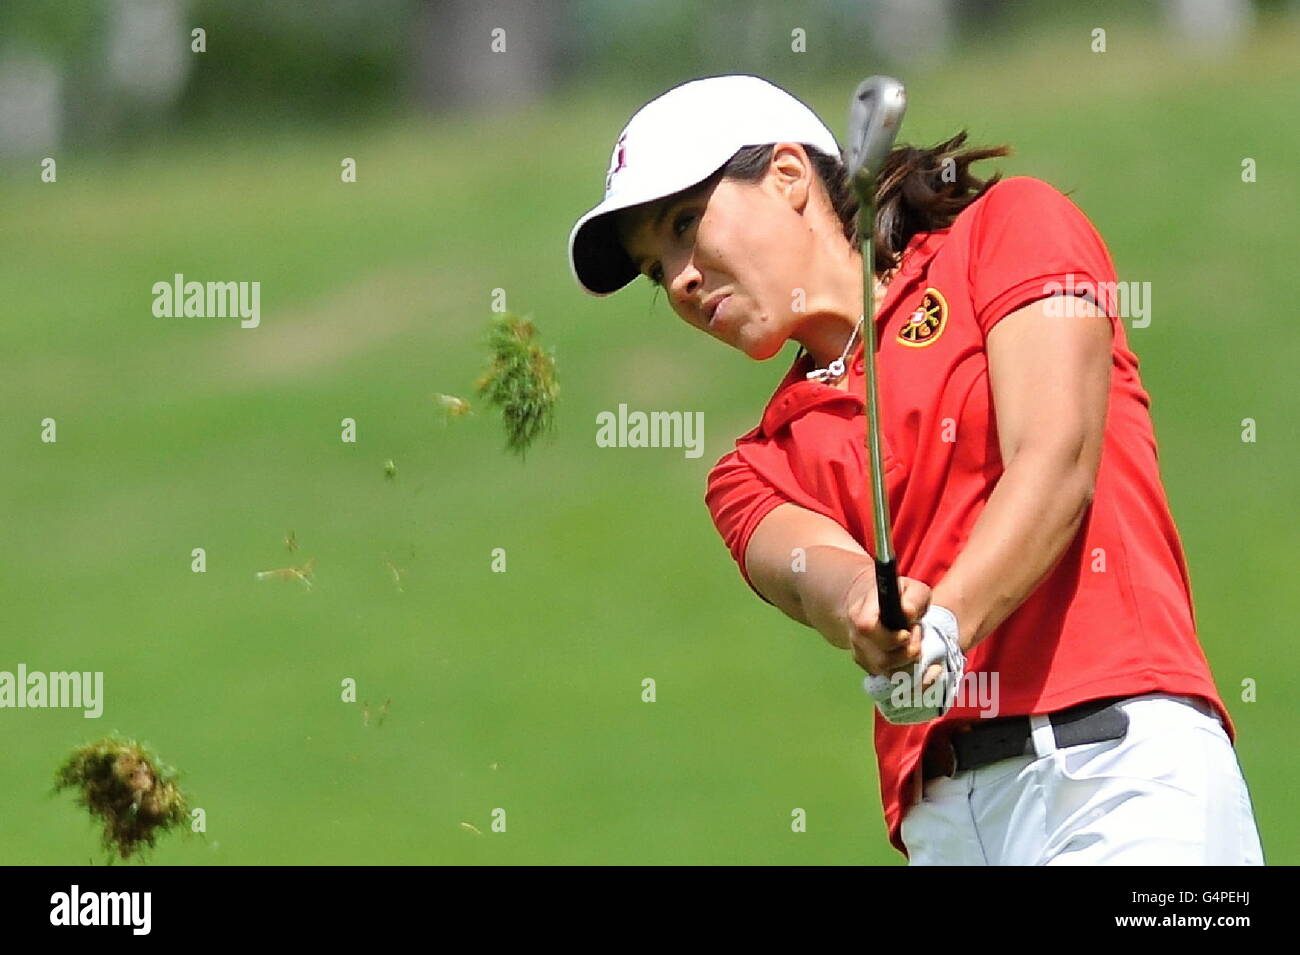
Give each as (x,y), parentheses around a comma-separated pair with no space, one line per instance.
(396,573)
(451,406)
(382,714)
(302,573)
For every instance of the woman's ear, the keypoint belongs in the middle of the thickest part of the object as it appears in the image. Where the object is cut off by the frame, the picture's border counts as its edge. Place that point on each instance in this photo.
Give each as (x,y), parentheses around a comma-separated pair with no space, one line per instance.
(792,173)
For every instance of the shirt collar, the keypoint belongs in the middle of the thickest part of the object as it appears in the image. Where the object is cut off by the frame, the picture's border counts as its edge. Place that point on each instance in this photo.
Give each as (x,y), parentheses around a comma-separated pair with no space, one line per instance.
(796,394)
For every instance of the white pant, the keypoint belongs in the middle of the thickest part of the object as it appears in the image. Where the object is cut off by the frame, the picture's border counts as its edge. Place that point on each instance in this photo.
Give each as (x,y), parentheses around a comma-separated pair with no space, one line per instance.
(1169,793)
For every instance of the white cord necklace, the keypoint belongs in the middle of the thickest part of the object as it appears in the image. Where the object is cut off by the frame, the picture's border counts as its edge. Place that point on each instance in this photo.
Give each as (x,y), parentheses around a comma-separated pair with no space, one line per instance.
(835,370)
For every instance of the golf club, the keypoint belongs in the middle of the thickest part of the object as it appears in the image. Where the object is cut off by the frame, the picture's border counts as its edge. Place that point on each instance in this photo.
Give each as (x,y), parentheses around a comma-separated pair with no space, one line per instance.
(875,114)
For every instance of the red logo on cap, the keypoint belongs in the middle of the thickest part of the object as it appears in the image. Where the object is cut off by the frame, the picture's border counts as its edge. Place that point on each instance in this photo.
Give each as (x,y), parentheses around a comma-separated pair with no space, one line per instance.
(620,160)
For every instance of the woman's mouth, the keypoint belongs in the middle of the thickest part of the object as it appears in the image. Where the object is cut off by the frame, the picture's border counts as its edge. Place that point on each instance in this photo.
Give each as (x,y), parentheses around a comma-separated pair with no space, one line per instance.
(718,310)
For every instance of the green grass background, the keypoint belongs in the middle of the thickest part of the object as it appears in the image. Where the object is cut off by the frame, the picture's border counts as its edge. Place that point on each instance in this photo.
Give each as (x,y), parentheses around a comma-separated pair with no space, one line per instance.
(522,690)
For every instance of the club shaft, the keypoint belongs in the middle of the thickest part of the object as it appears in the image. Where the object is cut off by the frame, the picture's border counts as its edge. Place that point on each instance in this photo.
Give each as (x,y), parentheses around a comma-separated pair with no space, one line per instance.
(887,589)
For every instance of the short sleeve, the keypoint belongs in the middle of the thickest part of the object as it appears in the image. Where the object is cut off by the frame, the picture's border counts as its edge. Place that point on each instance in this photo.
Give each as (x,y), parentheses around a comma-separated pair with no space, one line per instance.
(1028,242)
(738,499)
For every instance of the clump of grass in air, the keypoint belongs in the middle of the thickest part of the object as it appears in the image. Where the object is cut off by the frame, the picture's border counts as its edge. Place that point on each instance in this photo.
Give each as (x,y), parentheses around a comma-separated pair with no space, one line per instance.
(520,380)
(127,789)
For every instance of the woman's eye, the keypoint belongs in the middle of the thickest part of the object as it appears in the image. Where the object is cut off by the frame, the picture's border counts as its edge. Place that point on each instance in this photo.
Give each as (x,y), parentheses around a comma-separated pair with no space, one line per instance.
(654,274)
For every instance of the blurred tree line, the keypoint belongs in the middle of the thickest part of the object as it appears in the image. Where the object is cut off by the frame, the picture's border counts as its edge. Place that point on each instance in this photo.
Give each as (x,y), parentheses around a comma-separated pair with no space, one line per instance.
(85,71)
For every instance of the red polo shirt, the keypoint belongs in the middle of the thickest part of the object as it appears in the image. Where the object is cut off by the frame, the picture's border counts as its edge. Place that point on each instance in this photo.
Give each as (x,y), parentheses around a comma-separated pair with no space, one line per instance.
(1114,617)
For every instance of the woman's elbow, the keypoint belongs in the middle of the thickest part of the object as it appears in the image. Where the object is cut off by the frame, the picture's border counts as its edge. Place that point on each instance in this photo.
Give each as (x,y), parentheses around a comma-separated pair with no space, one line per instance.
(1068,465)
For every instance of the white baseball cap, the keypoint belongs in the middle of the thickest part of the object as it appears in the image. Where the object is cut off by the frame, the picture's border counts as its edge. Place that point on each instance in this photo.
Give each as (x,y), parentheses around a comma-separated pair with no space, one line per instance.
(674,142)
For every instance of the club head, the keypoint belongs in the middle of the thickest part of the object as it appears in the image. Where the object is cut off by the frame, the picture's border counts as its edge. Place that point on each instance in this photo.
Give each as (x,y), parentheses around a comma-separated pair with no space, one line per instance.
(875,115)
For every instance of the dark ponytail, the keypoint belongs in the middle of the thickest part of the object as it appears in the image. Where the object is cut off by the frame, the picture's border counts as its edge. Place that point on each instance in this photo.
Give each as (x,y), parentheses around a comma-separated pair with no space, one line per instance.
(918,190)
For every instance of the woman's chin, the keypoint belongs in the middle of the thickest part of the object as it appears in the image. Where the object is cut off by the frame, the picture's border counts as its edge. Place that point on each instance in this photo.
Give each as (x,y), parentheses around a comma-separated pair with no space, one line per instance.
(752,341)
(762,349)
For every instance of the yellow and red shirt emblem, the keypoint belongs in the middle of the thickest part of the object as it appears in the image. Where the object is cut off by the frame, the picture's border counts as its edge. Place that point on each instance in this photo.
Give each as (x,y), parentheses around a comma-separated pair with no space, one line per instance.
(925,324)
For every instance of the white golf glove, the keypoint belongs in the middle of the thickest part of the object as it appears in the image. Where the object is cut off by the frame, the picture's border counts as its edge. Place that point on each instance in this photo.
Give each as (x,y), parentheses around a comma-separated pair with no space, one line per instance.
(900,698)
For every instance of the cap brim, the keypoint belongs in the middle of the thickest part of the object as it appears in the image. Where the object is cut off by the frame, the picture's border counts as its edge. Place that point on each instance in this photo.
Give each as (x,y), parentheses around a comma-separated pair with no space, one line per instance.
(596,255)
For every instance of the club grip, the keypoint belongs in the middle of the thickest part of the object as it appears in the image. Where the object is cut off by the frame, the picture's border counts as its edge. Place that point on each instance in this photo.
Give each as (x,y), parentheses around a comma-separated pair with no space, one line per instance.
(891,606)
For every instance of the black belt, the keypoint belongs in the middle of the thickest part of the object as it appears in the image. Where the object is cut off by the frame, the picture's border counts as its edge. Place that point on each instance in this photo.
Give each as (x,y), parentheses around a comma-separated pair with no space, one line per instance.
(988,741)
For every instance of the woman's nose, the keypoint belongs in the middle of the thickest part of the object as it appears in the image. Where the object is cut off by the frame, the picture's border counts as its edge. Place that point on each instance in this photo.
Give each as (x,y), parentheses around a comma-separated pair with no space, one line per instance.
(686,285)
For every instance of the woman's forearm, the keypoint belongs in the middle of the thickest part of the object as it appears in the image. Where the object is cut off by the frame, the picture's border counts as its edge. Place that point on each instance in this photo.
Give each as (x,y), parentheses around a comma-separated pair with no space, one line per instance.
(822,588)
(812,591)
(1031,517)
(804,563)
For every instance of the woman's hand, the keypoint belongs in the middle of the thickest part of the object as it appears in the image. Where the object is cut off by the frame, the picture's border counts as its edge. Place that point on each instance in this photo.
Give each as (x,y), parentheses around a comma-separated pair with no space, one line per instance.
(876,649)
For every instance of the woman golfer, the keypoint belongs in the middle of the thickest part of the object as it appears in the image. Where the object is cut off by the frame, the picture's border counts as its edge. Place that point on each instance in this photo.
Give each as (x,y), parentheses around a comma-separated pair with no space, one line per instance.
(1030,523)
